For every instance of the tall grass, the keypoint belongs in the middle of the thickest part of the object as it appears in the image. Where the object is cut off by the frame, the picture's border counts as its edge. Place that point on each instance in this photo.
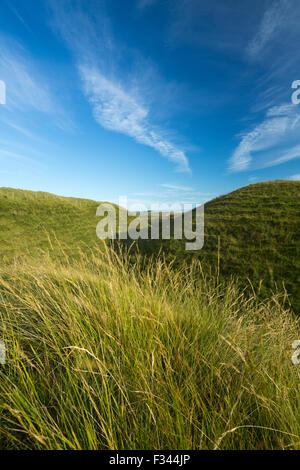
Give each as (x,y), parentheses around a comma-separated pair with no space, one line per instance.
(103,354)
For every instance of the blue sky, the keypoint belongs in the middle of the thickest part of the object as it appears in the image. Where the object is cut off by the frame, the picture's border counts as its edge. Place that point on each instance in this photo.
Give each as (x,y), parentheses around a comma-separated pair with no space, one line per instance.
(178,100)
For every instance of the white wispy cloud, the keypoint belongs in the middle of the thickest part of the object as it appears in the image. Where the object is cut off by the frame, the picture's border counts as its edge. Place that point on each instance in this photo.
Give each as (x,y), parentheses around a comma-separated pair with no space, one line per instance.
(275,140)
(176,187)
(17,14)
(14,155)
(19,147)
(116,100)
(22,130)
(116,110)
(28,90)
(25,87)
(286,156)
(273,21)
(295,177)
(171,194)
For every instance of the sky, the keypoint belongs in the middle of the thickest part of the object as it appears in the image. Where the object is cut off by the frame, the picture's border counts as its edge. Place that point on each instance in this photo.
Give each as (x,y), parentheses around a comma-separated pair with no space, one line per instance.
(155,100)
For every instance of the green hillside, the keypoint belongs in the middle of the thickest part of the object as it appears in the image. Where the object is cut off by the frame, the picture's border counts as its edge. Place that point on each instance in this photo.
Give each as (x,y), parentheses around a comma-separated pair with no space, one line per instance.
(28,219)
(252,232)
(106,353)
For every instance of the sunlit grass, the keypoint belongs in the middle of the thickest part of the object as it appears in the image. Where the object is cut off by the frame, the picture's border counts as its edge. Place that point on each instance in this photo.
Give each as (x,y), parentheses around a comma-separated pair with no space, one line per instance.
(104,354)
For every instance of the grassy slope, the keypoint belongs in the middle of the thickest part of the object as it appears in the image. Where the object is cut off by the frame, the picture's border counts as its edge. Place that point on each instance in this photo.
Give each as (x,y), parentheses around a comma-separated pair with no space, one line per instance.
(28,219)
(257,229)
(103,355)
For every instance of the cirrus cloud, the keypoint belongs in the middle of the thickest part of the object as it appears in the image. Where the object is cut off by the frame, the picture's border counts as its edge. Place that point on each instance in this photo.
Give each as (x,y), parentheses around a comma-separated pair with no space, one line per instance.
(117,101)
(275,140)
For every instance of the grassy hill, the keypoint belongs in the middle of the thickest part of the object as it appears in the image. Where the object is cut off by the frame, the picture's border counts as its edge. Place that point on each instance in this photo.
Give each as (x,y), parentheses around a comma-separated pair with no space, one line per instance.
(29,219)
(105,352)
(253,232)
(104,355)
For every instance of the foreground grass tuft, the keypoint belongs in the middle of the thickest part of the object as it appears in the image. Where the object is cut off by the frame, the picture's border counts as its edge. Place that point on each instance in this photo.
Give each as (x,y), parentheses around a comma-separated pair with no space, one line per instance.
(105,355)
